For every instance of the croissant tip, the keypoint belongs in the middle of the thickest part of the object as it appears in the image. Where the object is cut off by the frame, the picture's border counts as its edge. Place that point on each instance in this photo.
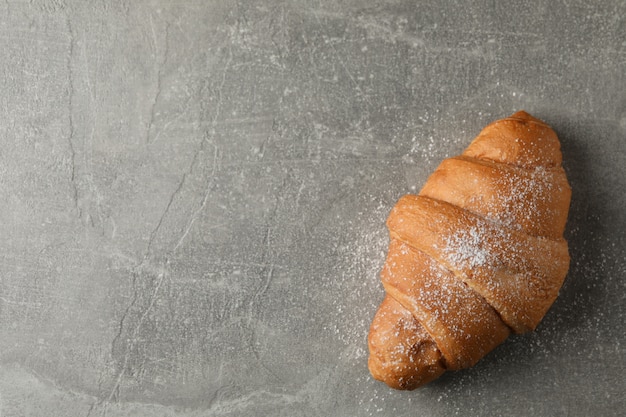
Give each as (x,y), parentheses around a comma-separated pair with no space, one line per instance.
(525,116)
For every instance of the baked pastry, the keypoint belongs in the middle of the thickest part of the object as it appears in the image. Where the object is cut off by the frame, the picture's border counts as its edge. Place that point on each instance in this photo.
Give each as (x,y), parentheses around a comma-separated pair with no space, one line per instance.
(477,254)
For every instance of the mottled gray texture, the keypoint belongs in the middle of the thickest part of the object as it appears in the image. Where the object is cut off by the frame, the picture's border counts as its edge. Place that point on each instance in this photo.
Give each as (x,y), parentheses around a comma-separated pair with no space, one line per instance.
(194,196)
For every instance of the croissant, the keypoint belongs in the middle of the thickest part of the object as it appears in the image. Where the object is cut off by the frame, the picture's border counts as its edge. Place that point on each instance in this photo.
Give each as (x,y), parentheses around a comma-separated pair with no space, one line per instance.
(477,254)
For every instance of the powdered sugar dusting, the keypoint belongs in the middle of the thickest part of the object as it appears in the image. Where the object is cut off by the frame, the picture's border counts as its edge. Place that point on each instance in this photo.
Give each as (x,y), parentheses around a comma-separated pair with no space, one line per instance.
(359,272)
(521,204)
(466,248)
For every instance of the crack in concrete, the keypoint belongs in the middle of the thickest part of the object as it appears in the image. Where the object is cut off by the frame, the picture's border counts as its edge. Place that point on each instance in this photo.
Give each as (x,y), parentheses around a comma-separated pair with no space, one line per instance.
(204,201)
(154,232)
(72,127)
(133,338)
(159,75)
(201,148)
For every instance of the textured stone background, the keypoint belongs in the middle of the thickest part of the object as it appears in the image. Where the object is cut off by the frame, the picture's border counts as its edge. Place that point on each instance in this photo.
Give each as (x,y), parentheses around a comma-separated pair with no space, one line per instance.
(194,196)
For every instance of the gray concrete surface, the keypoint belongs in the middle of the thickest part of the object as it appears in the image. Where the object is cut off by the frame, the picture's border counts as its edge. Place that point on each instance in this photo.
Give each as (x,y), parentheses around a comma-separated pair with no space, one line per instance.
(194,196)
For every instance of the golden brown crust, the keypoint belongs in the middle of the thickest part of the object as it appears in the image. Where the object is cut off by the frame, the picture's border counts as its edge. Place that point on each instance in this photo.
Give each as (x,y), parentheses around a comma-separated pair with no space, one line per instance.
(532,200)
(402,353)
(520,140)
(442,304)
(479,252)
(513,271)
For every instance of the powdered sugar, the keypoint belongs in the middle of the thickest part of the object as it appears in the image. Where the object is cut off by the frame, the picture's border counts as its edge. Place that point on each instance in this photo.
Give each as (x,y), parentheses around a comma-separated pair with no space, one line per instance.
(525,193)
(465,248)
